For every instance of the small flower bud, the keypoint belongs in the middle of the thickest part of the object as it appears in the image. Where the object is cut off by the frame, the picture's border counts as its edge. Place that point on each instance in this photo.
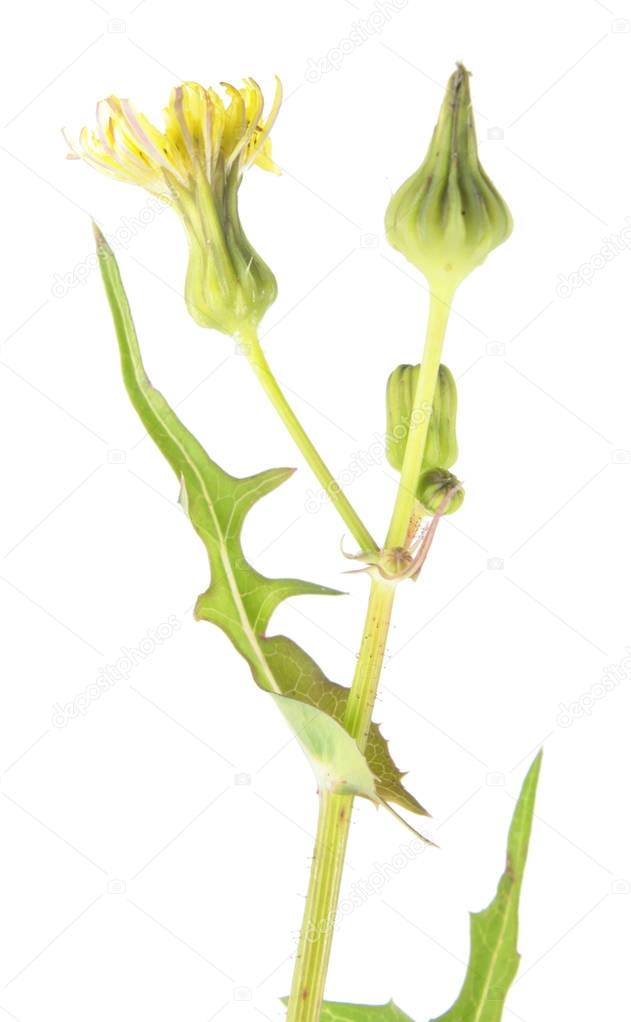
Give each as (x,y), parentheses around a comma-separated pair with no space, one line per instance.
(441,447)
(434,486)
(448,216)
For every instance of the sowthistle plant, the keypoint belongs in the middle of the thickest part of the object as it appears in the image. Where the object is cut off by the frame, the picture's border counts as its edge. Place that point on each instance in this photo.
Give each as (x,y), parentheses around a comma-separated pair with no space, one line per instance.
(445,219)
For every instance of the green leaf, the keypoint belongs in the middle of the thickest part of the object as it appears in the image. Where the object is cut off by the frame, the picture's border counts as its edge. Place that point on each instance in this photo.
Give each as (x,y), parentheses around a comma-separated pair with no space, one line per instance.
(239,600)
(339,765)
(301,678)
(338,1012)
(337,762)
(494,959)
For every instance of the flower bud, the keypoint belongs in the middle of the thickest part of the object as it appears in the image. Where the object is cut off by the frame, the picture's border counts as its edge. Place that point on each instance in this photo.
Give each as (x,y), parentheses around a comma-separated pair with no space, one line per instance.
(434,486)
(448,216)
(441,446)
(228,286)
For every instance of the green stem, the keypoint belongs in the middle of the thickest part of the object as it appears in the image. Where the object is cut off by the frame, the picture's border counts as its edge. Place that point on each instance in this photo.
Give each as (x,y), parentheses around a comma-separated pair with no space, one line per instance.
(252,349)
(318,924)
(361,700)
(440,305)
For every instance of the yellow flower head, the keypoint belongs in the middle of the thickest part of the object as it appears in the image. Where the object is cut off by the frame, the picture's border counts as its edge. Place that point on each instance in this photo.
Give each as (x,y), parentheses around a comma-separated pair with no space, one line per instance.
(196,164)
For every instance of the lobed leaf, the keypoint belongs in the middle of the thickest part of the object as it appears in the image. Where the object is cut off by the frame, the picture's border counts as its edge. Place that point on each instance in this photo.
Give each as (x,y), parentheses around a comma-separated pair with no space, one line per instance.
(239,600)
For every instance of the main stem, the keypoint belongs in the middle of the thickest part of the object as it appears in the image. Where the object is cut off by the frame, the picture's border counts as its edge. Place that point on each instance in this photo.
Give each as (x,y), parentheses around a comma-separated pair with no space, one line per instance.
(318,925)
(254,353)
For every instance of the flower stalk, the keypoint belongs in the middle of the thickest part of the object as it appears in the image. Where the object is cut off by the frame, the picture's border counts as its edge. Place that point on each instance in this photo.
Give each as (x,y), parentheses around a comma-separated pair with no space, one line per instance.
(251,348)
(403,511)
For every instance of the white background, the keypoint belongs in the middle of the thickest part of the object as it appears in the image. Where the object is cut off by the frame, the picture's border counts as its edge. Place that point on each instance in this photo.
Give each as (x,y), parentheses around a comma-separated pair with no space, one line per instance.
(155,850)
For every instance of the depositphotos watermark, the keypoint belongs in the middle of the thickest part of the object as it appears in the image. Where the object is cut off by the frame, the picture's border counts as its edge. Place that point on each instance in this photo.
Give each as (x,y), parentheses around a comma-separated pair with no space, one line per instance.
(111,674)
(128,229)
(361,461)
(612,676)
(611,248)
(360,31)
(362,890)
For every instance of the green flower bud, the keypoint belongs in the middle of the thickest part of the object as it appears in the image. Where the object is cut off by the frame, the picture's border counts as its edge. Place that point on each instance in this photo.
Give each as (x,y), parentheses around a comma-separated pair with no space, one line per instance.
(434,485)
(441,447)
(228,286)
(448,216)
(392,563)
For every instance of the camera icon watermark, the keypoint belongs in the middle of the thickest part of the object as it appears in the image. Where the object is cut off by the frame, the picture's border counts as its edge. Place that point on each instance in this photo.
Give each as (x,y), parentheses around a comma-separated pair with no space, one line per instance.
(370,241)
(116,886)
(495,564)
(116,26)
(620,26)
(495,779)
(115,457)
(496,993)
(242,347)
(242,994)
(242,780)
(495,134)
(620,886)
(621,457)
(496,348)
